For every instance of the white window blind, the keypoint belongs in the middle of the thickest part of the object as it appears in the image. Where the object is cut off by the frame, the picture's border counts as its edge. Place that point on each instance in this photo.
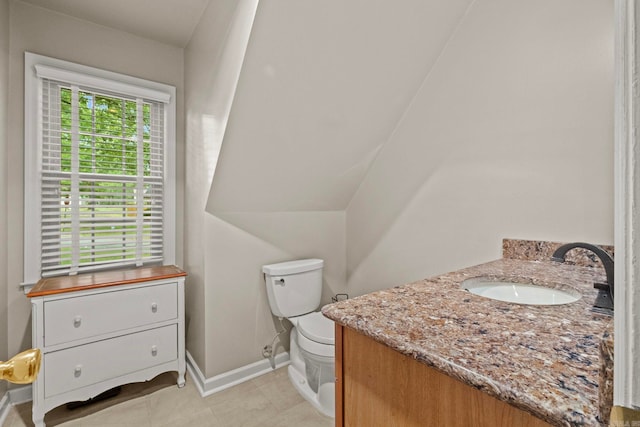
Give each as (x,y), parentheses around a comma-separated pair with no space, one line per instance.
(102,179)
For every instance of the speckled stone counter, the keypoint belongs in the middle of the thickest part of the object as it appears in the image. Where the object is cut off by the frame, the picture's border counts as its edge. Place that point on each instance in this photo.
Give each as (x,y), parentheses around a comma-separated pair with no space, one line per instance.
(606,374)
(542,359)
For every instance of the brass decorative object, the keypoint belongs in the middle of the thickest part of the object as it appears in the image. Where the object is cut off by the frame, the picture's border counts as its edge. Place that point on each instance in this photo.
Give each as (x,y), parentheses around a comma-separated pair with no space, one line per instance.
(22,368)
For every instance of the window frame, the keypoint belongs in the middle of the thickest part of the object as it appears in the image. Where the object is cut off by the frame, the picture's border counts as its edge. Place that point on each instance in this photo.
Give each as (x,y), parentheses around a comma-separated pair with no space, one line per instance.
(98,79)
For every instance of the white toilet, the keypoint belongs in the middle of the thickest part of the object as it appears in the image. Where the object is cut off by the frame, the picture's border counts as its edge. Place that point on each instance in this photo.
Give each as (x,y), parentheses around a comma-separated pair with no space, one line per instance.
(294,289)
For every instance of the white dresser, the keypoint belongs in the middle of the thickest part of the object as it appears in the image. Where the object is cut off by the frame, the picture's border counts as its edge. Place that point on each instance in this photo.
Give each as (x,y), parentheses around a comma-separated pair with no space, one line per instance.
(98,331)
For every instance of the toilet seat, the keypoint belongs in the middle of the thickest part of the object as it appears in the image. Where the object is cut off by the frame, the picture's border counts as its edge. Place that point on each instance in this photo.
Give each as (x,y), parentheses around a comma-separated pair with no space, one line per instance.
(315,334)
(318,328)
(315,348)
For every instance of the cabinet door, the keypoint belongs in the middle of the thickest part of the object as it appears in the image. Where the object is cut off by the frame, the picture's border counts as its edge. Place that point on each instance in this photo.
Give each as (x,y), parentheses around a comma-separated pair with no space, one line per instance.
(70,319)
(382,387)
(80,366)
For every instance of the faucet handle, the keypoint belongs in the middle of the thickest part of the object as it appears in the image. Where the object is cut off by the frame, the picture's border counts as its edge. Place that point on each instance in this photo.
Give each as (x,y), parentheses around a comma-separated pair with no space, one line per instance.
(604,299)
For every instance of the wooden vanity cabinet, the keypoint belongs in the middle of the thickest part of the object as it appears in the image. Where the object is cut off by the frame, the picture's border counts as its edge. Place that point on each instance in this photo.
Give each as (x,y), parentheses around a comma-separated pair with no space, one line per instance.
(378,386)
(98,331)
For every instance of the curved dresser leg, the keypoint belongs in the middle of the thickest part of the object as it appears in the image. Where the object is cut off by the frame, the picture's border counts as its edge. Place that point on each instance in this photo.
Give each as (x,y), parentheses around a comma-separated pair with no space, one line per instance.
(38,419)
(181,380)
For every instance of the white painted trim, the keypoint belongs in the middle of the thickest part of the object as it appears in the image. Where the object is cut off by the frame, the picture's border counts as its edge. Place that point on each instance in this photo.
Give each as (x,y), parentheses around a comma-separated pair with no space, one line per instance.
(26,287)
(209,386)
(627,207)
(94,82)
(5,407)
(32,144)
(15,396)
(21,395)
(170,181)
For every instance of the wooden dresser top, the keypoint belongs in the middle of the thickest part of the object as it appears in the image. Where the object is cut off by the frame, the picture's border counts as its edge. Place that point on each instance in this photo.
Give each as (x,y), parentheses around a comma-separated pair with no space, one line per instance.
(80,282)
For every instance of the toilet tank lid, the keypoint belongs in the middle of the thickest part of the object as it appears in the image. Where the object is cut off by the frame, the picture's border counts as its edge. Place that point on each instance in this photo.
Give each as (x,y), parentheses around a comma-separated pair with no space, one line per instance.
(292,267)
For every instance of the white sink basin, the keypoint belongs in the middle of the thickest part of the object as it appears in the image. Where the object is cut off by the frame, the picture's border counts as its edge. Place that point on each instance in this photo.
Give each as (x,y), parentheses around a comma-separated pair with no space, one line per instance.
(519,293)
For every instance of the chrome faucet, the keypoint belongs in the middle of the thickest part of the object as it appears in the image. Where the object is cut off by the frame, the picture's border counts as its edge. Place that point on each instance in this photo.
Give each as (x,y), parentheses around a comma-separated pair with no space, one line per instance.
(605,296)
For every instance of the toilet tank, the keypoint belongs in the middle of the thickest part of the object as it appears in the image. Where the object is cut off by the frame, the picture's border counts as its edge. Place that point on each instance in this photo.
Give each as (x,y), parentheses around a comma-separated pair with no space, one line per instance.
(294,288)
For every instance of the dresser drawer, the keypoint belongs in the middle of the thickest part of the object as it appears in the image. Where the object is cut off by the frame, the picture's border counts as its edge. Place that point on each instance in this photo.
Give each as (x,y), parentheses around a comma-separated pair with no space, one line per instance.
(86,316)
(77,367)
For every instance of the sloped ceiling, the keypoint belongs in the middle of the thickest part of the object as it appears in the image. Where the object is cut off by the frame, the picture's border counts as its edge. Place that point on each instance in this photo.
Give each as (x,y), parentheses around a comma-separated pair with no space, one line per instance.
(167,21)
(322,87)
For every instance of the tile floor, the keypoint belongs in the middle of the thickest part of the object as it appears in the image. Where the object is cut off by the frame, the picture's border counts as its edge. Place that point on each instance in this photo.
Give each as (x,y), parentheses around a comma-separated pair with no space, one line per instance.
(267,401)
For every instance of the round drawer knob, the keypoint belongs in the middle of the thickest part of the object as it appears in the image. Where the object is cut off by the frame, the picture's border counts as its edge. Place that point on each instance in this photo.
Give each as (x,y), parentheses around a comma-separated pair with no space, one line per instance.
(154,350)
(77,371)
(154,308)
(77,321)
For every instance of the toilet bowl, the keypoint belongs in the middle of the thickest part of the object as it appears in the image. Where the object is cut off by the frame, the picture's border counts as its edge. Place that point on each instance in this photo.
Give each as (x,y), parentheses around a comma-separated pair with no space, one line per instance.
(312,355)
(293,289)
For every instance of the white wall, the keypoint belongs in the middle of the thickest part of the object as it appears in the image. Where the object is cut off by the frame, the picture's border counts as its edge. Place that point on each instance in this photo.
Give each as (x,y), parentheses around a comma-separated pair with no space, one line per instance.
(4,87)
(47,33)
(395,141)
(229,316)
(239,319)
(510,135)
(213,59)
(321,87)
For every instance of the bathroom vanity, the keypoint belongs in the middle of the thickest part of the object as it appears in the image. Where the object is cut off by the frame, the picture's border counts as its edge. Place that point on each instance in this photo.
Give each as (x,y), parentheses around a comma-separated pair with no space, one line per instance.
(431,353)
(98,331)
(382,387)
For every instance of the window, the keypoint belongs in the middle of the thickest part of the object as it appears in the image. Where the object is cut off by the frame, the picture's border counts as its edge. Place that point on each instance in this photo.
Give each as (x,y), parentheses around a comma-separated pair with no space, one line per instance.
(99,183)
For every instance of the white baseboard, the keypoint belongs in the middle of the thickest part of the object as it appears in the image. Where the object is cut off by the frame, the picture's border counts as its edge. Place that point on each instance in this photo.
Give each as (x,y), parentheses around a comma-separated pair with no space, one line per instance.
(209,386)
(20,395)
(12,397)
(5,407)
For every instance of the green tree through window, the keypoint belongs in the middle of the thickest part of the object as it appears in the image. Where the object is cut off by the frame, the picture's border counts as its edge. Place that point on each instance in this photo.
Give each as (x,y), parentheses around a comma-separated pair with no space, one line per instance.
(108,173)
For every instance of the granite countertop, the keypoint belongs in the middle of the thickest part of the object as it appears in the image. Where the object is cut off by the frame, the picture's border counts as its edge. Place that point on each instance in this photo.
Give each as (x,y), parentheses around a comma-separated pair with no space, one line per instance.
(542,359)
